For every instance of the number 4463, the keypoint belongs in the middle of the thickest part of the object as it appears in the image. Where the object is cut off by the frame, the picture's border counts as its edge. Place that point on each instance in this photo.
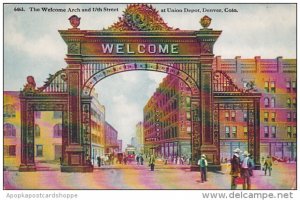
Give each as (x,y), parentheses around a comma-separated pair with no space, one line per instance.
(18,9)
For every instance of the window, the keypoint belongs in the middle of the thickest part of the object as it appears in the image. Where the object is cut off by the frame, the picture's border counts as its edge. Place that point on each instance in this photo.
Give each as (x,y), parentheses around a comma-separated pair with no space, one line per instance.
(245,130)
(288,116)
(273,116)
(37,130)
(233,115)
(245,117)
(266,102)
(234,134)
(9,150)
(289,132)
(37,114)
(267,86)
(273,88)
(273,131)
(266,131)
(227,115)
(294,102)
(9,111)
(58,114)
(288,102)
(272,102)
(39,150)
(57,130)
(294,86)
(266,116)
(9,130)
(288,86)
(188,102)
(294,116)
(188,115)
(227,132)
(294,131)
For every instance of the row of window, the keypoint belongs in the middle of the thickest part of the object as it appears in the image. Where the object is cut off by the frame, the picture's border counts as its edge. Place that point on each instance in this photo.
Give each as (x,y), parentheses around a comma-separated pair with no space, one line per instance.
(231,132)
(291,131)
(289,102)
(273,116)
(273,131)
(270,86)
(9,150)
(10,130)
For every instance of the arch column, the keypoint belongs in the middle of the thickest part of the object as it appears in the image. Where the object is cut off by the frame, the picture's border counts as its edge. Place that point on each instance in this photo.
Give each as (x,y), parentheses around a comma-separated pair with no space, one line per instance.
(27,137)
(209,140)
(76,158)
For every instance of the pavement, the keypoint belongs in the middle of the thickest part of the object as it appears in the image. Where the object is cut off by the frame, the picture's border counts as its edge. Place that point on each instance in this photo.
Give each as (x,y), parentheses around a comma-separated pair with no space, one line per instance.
(134,176)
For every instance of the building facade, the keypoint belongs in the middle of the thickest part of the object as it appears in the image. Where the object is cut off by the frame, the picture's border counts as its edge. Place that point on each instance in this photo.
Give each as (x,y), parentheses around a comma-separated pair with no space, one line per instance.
(165,121)
(167,125)
(11,129)
(47,132)
(275,79)
(97,127)
(139,134)
(111,139)
(120,145)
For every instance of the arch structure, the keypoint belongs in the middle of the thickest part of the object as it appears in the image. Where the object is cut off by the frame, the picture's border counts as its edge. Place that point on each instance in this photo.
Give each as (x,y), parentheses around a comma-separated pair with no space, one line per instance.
(95,54)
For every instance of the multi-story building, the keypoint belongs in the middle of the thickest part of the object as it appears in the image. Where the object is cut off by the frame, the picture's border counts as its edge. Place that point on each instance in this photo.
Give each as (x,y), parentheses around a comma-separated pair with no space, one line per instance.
(47,131)
(139,134)
(133,142)
(120,145)
(11,129)
(111,139)
(97,127)
(167,116)
(275,79)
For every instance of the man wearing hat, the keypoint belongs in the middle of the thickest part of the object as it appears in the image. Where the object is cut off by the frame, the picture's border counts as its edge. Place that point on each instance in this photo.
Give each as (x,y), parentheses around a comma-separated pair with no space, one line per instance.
(246,166)
(202,162)
(235,168)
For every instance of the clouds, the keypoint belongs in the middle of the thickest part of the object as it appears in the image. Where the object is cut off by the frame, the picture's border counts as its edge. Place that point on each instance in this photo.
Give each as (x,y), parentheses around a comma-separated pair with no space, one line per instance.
(124,96)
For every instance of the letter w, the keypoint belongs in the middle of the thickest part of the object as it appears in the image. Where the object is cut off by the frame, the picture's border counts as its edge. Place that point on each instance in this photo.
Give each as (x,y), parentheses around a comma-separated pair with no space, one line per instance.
(107,48)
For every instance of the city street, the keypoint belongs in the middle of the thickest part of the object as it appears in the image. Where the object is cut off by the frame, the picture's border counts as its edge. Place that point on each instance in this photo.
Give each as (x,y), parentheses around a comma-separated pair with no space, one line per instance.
(140,177)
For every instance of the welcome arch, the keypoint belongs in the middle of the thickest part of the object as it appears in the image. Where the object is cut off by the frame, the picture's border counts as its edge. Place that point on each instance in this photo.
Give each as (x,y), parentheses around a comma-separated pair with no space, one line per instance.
(88,62)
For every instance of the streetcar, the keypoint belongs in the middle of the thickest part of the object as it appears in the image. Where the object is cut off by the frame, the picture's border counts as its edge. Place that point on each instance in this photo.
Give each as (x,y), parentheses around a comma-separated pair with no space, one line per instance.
(130,152)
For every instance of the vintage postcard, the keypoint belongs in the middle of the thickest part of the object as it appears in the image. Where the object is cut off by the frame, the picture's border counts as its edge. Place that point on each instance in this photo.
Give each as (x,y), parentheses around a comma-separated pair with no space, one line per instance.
(150,96)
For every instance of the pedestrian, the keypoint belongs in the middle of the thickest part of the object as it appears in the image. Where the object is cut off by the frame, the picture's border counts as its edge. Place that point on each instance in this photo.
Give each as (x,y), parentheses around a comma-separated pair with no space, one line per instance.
(152,162)
(268,165)
(141,159)
(202,162)
(235,168)
(99,161)
(137,159)
(246,169)
(125,159)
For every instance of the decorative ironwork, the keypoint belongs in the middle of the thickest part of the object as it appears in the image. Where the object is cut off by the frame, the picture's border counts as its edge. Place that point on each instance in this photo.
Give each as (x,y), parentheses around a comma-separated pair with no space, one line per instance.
(251,131)
(216,128)
(140,17)
(196,139)
(96,72)
(223,83)
(86,129)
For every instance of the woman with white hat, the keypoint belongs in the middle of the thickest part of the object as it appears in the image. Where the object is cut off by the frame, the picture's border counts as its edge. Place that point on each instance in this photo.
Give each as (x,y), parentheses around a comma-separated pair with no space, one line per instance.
(245,171)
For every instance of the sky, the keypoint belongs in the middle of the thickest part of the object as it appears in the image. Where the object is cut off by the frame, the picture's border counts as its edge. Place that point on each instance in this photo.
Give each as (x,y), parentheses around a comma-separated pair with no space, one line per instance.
(33,46)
